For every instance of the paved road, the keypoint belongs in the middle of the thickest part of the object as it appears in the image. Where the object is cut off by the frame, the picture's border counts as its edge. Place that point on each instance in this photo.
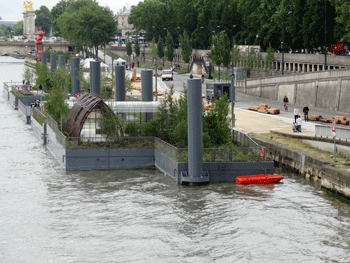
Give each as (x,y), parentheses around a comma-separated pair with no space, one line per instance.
(242,101)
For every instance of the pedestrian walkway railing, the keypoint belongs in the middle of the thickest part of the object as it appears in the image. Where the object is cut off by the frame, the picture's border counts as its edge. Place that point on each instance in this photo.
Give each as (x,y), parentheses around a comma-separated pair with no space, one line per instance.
(84,143)
(326,131)
(166,149)
(239,83)
(26,111)
(237,154)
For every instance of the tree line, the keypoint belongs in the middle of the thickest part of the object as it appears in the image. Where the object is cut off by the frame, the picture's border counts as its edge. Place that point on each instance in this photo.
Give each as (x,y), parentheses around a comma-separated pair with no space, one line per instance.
(300,24)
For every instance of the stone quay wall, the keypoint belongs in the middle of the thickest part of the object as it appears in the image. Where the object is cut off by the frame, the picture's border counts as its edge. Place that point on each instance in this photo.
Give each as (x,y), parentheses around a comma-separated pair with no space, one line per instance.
(328,90)
(315,169)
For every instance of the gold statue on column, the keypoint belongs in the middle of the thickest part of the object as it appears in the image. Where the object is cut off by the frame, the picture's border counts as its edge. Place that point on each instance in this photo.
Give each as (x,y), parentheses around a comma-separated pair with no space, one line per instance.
(27,5)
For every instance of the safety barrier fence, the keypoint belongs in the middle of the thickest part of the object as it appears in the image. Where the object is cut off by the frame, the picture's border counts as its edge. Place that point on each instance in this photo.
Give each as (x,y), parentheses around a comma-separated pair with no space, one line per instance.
(26,112)
(326,131)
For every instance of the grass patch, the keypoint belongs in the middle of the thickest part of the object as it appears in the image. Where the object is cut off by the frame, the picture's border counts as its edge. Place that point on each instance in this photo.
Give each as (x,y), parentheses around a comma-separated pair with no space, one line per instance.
(38,117)
(184,71)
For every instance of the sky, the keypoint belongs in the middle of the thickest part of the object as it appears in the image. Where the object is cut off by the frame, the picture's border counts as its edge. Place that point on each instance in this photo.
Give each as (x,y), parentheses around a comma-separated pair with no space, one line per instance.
(13,9)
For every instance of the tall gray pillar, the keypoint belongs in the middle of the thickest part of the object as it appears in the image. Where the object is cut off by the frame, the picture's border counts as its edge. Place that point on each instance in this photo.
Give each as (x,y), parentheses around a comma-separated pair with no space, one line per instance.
(146,85)
(120,83)
(194,117)
(75,76)
(53,64)
(61,60)
(95,77)
(43,57)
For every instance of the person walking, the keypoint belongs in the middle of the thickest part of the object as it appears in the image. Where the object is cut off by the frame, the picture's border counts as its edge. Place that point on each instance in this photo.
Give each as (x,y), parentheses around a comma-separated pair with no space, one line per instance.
(285,103)
(306,113)
(296,113)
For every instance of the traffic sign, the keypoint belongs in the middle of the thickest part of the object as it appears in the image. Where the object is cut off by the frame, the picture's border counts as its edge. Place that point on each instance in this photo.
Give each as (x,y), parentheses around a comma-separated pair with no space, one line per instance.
(333,126)
(77,95)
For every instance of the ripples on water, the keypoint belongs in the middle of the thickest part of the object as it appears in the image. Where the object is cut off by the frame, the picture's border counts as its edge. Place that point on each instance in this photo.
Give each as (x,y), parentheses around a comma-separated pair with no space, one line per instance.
(50,215)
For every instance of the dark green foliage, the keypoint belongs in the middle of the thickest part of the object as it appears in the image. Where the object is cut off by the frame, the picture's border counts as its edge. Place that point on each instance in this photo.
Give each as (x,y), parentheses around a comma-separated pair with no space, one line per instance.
(137,46)
(216,125)
(85,23)
(170,123)
(18,29)
(169,42)
(186,47)
(131,129)
(301,22)
(43,19)
(160,47)
(128,48)
(43,76)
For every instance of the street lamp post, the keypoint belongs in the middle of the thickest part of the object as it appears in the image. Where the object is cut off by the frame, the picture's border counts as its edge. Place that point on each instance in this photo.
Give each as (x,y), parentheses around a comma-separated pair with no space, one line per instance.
(155,77)
(282,47)
(232,97)
(282,43)
(325,35)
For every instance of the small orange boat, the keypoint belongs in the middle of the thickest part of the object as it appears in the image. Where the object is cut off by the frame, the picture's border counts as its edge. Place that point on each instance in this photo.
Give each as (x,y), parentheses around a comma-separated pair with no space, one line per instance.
(259,179)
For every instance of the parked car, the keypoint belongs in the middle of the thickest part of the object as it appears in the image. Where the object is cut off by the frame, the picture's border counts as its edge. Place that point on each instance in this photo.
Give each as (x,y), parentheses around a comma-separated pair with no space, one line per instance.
(167,74)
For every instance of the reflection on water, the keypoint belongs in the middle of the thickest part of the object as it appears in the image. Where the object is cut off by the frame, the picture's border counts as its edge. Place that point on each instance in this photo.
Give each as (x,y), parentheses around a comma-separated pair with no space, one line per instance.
(52,215)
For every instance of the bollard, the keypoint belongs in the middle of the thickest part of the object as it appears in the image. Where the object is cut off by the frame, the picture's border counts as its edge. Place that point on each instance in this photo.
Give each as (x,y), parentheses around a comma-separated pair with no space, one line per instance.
(75,76)
(53,65)
(194,116)
(61,60)
(43,57)
(95,77)
(120,83)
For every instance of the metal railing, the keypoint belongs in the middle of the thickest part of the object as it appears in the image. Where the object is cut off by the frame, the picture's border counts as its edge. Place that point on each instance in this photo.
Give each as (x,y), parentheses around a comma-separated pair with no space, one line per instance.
(243,139)
(25,110)
(239,154)
(166,148)
(75,143)
(53,125)
(239,83)
(326,131)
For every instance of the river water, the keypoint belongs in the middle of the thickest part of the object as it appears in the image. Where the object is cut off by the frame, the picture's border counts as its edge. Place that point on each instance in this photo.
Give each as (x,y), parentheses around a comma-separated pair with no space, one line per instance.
(50,215)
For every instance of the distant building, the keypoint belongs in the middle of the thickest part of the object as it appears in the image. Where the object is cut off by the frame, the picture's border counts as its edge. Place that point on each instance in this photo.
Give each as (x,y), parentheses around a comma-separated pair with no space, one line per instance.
(10,23)
(122,18)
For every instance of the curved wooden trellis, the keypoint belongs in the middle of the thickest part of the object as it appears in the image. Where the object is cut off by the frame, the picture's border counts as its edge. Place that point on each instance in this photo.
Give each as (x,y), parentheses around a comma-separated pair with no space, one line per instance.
(81,110)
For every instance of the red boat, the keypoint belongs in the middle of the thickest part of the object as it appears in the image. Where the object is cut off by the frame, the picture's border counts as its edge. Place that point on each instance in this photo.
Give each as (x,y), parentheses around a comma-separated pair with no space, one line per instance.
(259,179)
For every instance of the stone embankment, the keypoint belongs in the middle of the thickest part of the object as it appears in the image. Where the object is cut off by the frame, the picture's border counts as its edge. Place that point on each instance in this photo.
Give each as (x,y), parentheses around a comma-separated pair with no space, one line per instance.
(330,177)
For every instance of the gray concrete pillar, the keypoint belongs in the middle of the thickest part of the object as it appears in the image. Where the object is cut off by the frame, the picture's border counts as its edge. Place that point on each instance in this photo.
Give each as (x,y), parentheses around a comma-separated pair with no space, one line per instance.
(146,85)
(43,57)
(120,83)
(53,64)
(194,116)
(75,75)
(95,77)
(61,60)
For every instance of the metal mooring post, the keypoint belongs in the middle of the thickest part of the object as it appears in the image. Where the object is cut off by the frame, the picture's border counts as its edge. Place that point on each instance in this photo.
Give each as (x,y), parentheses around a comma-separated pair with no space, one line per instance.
(194,116)
(120,83)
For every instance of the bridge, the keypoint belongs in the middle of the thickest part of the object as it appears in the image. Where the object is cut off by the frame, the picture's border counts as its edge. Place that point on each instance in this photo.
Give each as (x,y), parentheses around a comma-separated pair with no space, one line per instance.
(8,47)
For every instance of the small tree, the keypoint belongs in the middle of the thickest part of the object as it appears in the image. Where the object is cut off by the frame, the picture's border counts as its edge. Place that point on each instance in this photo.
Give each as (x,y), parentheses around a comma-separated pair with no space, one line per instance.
(137,47)
(169,42)
(128,49)
(28,74)
(220,50)
(43,76)
(56,105)
(270,57)
(186,47)
(153,48)
(160,48)
(235,56)
(259,60)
